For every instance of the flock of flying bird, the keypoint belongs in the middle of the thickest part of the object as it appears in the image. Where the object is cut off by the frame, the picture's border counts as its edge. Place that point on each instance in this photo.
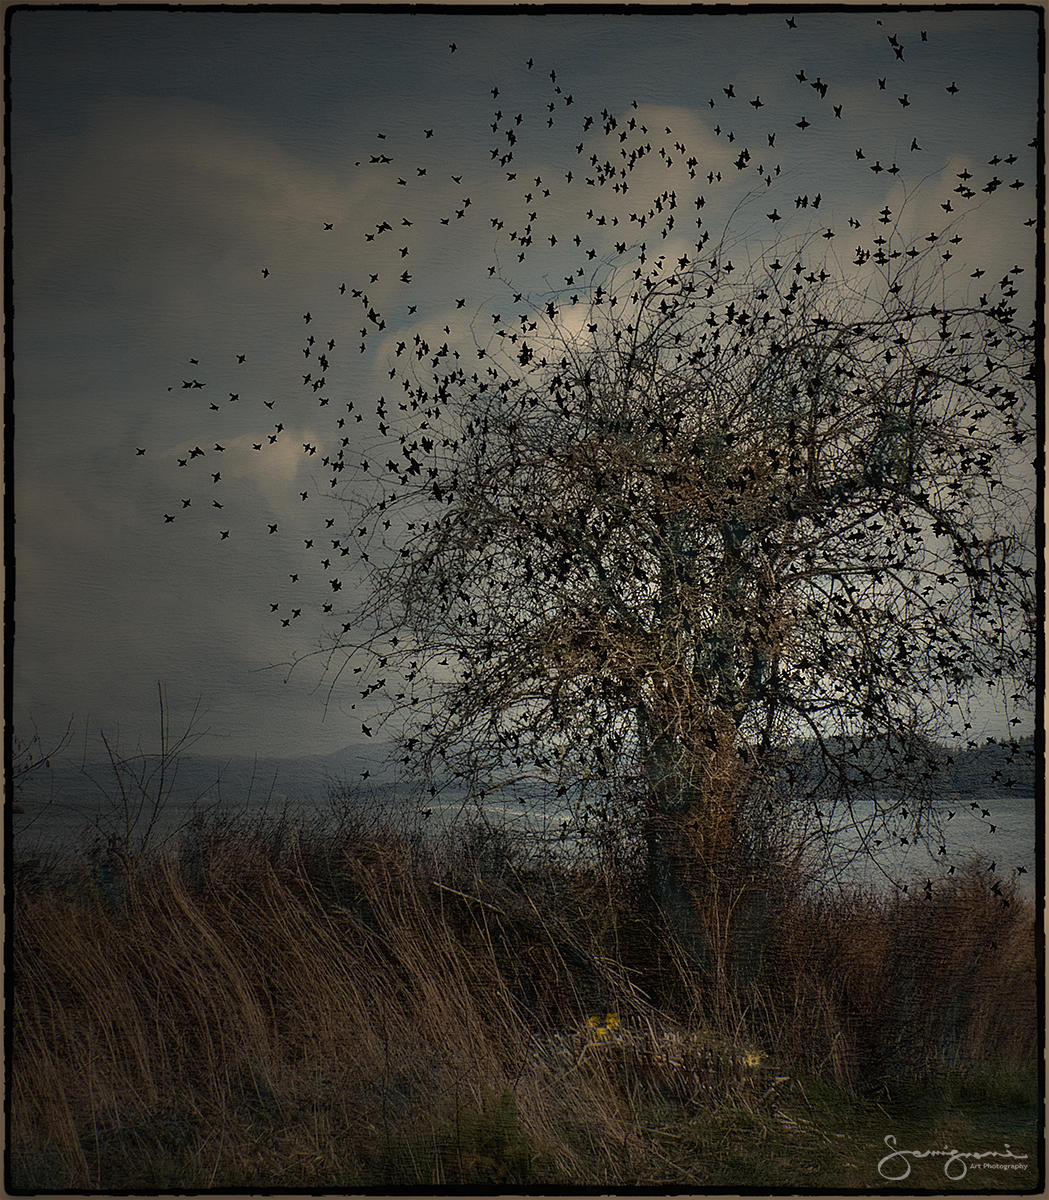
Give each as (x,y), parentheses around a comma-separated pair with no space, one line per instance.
(652,211)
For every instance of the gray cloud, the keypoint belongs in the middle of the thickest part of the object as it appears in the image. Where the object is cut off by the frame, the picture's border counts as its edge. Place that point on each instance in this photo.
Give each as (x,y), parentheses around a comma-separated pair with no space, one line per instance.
(141,230)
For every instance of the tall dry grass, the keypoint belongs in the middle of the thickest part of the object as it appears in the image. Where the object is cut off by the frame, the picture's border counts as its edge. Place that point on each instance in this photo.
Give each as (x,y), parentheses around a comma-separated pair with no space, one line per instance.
(357,1007)
(876,988)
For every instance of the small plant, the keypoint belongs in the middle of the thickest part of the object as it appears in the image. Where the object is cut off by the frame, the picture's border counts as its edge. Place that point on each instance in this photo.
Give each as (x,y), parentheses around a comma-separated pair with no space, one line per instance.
(599,1030)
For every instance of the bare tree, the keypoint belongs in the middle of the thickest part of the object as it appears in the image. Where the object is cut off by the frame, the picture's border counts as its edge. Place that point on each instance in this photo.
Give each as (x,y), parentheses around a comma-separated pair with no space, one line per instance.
(699,546)
(687,523)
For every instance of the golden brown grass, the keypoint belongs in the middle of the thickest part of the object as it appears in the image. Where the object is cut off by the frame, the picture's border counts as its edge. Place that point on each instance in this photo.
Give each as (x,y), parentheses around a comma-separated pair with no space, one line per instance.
(361,1008)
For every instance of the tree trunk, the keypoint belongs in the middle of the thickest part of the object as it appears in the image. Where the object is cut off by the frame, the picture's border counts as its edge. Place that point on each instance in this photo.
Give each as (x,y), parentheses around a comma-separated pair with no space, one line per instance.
(679,868)
(695,855)
(677,883)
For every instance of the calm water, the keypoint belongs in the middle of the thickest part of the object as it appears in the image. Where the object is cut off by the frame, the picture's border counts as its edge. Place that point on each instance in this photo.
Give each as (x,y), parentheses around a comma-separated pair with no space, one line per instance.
(67,814)
(1007,838)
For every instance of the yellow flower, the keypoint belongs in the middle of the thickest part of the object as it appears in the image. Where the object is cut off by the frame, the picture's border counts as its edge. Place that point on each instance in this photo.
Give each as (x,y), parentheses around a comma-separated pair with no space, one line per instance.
(753,1058)
(598,1030)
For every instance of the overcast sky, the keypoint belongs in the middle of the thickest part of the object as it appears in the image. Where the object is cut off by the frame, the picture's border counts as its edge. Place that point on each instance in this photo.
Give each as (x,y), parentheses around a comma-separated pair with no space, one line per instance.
(162,161)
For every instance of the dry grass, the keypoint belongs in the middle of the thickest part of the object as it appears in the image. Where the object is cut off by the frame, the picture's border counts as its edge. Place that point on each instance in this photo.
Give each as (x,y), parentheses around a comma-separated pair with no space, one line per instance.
(303,1009)
(879,988)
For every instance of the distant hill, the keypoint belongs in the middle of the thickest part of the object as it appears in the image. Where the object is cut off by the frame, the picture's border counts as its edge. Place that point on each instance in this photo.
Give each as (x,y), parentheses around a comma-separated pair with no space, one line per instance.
(999,767)
(70,801)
